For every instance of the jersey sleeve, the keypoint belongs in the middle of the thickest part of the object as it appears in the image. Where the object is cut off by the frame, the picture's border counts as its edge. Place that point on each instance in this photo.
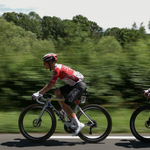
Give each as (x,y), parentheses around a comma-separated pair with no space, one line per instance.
(55,76)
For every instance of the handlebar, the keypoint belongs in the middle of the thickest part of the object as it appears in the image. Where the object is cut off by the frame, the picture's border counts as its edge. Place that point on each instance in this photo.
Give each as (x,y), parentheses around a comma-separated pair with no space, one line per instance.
(44,99)
(37,99)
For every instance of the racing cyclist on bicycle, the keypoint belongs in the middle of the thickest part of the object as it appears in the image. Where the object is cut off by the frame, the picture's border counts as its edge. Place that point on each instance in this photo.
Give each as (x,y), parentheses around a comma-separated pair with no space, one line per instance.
(74,87)
(146,93)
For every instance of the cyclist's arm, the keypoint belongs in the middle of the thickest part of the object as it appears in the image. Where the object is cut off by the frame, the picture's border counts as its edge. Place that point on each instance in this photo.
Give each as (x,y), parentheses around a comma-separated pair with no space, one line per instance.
(46,88)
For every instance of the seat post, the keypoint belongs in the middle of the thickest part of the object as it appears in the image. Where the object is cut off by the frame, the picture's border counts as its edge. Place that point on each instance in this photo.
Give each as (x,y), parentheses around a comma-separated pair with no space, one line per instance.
(77,102)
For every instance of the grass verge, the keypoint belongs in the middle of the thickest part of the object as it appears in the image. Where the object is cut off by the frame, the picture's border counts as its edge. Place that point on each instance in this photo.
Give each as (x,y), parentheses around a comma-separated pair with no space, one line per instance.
(120,119)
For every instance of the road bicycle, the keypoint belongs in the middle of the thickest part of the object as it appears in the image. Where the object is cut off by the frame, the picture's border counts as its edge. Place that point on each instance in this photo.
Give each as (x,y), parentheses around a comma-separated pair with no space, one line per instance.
(140,123)
(37,122)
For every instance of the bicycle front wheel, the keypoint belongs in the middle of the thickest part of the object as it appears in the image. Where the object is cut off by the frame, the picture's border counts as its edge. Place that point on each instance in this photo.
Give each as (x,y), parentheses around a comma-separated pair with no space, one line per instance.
(140,123)
(33,130)
(102,123)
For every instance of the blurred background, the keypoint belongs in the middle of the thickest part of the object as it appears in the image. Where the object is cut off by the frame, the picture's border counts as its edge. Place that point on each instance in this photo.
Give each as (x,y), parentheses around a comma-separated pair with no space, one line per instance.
(115,62)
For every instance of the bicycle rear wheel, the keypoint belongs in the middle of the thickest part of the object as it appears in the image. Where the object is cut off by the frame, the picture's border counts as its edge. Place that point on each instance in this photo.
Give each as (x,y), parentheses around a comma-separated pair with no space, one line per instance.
(37,132)
(102,123)
(140,123)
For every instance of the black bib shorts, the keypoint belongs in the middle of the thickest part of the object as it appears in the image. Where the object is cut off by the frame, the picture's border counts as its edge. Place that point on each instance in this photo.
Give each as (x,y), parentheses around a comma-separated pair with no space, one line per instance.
(72,93)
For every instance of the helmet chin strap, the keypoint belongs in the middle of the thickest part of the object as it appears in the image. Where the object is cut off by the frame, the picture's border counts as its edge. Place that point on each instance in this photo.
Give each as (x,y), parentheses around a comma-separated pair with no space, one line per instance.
(49,66)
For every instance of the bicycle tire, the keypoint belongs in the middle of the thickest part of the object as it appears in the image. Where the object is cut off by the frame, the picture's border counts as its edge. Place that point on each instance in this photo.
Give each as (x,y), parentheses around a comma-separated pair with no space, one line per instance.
(99,115)
(140,115)
(24,120)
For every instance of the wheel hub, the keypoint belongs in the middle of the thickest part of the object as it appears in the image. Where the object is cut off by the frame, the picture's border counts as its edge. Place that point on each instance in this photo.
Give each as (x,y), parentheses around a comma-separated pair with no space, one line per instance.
(35,124)
(147,124)
(94,125)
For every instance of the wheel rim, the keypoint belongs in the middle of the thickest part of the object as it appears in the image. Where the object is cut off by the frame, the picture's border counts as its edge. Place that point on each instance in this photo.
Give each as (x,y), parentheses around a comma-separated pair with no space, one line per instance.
(101,128)
(140,124)
(40,131)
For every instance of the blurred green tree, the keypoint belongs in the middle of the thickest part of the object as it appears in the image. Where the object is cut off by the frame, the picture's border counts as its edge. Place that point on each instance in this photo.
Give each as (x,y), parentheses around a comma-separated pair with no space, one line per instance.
(124,35)
(31,22)
(52,28)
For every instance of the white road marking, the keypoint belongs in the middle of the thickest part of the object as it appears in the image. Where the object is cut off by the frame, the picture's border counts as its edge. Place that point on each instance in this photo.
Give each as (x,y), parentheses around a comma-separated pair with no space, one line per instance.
(120,137)
(76,137)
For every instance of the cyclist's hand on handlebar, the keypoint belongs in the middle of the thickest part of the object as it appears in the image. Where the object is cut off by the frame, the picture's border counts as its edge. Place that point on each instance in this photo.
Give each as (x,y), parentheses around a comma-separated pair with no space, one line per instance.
(36,95)
(146,92)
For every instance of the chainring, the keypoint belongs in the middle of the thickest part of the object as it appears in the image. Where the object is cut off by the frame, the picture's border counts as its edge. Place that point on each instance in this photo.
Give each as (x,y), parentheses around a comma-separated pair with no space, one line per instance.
(68,129)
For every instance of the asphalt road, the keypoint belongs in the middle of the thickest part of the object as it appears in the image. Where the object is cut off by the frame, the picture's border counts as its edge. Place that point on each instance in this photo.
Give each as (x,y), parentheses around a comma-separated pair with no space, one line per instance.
(66,142)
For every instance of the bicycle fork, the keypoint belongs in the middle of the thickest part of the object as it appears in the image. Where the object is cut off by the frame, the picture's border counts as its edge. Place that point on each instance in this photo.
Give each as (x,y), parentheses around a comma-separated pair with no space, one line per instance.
(41,114)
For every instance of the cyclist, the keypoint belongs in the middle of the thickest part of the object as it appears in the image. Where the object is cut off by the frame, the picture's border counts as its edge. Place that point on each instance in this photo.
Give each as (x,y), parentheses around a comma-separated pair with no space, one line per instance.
(74,87)
(147,93)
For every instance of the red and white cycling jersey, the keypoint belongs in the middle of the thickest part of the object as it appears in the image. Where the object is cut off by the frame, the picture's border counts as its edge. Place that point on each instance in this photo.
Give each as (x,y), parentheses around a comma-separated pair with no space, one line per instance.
(66,74)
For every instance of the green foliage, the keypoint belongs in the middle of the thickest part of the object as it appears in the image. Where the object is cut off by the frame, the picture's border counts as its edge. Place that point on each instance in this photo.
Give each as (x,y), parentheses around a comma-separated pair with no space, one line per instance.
(61,32)
(79,29)
(115,65)
(20,67)
(134,71)
(14,38)
(31,22)
(52,28)
(124,36)
(103,67)
(108,44)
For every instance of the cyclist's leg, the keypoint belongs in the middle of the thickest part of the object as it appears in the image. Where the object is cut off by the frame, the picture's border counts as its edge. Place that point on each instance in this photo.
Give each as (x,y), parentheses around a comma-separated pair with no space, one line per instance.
(75,93)
(61,92)
(59,95)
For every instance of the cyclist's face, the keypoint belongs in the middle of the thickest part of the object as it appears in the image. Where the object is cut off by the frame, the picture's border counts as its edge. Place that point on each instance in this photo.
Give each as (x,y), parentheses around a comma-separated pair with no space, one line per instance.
(46,65)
